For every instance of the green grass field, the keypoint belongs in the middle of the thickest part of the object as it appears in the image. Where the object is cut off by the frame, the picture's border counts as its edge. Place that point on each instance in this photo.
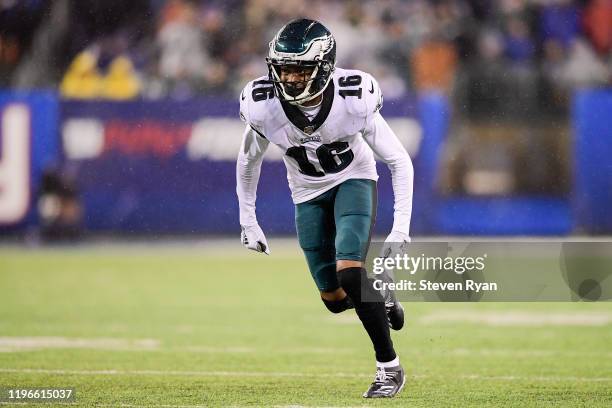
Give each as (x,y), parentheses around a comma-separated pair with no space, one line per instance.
(216,325)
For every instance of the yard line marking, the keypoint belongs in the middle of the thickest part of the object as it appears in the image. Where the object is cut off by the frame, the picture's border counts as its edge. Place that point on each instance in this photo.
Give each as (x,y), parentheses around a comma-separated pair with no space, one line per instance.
(25,344)
(519,319)
(147,406)
(30,403)
(210,349)
(536,378)
(178,373)
(239,349)
(522,353)
(292,374)
(234,406)
(12,344)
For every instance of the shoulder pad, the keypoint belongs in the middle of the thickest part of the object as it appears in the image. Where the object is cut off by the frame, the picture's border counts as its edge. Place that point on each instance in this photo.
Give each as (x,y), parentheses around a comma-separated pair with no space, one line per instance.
(254,100)
(368,99)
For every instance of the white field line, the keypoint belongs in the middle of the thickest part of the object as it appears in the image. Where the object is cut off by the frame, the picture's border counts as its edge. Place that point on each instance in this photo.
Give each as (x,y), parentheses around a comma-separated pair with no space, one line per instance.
(181,373)
(145,406)
(330,350)
(11,344)
(229,406)
(266,374)
(178,406)
(522,353)
(519,319)
(239,349)
(503,319)
(60,403)
(535,378)
(112,405)
(26,344)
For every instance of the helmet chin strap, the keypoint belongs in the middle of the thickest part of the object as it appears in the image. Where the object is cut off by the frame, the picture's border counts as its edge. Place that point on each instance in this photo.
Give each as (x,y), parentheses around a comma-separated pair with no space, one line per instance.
(311,97)
(299,101)
(305,95)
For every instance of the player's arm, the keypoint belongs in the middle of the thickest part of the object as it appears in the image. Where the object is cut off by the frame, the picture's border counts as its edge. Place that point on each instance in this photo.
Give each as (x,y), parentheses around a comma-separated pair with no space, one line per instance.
(248,168)
(388,148)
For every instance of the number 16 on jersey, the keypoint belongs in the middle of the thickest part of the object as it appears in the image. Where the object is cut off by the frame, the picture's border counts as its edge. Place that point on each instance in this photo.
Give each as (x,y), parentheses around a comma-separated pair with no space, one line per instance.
(332,157)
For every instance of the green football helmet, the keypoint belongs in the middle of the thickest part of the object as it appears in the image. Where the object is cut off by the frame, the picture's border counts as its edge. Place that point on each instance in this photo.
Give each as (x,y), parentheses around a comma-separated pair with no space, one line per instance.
(302,43)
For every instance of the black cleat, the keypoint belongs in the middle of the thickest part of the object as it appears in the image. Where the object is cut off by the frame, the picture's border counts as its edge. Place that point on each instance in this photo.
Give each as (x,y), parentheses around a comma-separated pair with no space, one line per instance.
(395,314)
(387,383)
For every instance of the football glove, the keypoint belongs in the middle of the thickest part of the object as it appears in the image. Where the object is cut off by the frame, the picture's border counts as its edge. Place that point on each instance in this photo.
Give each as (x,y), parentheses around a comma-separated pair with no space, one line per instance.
(253,238)
(396,243)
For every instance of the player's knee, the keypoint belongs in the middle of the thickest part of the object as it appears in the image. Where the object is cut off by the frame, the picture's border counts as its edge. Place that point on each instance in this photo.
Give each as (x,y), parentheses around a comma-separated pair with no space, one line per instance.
(338,306)
(350,244)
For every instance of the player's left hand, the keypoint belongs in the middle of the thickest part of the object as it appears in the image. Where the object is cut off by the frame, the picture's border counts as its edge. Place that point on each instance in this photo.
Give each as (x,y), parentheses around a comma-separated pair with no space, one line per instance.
(396,243)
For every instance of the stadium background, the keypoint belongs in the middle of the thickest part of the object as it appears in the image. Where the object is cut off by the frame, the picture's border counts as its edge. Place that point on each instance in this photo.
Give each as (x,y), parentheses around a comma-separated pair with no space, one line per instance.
(132,111)
(119,126)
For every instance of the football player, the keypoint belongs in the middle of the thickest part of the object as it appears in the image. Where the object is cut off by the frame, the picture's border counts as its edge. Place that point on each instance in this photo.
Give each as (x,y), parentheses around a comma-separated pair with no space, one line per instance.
(326,120)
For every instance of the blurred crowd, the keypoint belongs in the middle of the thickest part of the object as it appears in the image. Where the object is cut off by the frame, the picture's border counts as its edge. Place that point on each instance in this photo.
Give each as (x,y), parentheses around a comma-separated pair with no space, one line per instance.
(18,23)
(509,66)
(482,51)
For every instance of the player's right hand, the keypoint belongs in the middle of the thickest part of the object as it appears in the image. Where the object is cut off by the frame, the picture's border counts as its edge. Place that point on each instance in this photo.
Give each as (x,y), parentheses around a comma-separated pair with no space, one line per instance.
(395,244)
(253,238)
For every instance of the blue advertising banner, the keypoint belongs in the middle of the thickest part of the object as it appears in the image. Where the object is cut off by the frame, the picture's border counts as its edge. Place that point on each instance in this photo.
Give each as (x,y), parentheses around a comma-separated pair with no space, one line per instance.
(592,195)
(169,167)
(28,144)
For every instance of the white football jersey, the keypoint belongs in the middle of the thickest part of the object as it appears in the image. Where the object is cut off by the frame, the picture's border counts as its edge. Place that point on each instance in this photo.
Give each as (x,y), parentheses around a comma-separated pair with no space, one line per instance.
(328,150)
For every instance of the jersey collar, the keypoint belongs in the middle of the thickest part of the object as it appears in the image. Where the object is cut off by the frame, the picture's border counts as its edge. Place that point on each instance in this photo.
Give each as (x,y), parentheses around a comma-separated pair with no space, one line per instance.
(297,117)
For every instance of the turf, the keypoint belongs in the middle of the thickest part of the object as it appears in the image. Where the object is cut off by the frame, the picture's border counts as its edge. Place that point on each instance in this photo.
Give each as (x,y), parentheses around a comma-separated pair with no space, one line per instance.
(215,325)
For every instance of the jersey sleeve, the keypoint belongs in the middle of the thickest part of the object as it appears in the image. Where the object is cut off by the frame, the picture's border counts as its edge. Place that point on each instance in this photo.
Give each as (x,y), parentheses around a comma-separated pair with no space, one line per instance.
(248,112)
(363,105)
(385,144)
(244,104)
(250,157)
(248,168)
(373,98)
